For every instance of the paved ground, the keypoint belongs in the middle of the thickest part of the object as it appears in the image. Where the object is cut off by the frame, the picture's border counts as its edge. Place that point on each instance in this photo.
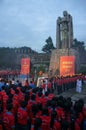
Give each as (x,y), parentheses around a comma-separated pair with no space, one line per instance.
(74,95)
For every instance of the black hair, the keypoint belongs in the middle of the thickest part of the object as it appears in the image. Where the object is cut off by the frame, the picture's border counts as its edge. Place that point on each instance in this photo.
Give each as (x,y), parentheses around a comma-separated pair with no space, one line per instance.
(45,111)
(3,87)
(39,94)
(9,101)
(31,81)
(23,89)
(11,96)
(55,98)
(16,91)
(40,89)
(46,93)
(33,96)
(39,105)
(34,109)
(1,107)
(78,106)
(27,97)
(7,90)
(60,101)
(67,105)
(34,90)
(65,125)
(81,102)
(48,103)
(23,104)
(37,123)
(9,107)
(53,104)
(53,116)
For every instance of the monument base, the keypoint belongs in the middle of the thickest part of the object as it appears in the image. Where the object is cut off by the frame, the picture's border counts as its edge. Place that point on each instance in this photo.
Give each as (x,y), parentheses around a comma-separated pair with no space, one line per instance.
(54,68)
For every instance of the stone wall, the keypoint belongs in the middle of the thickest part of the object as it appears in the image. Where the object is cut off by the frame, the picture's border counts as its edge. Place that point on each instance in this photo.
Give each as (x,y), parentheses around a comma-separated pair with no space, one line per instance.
(55,59)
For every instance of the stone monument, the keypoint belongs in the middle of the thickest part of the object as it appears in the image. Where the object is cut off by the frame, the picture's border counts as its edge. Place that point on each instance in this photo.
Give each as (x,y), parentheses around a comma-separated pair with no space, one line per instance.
(64,31)
(64,42)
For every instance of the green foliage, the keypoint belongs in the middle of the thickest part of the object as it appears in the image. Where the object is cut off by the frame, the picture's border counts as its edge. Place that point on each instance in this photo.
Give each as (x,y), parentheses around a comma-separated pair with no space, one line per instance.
(9,55)
(48,46)
(80,45)
(83,70)
(41,68)
(6,57)
(37,69)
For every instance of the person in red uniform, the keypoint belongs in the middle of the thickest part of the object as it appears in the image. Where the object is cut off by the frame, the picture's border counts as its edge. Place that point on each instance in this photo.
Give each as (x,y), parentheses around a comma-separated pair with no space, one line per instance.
(5,98)
(30,103)
(1,115)
(39,112)
(77,124)
(59,85)
(33,113)
(8,118)
(45,99)
(50,96)
(54,123)
(37,124)
(39,98)
(45,119)
(16,101)
(22,117)
(26,83)
(49,85)
(59,110)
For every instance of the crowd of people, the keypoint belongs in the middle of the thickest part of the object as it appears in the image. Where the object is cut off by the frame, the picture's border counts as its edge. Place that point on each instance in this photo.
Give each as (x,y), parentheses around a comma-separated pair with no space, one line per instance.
(64,83)
(37,108)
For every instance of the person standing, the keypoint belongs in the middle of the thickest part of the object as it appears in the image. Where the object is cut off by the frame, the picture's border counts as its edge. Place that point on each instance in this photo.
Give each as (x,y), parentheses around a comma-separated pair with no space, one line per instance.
(22,117)
(79,85)
(8,119)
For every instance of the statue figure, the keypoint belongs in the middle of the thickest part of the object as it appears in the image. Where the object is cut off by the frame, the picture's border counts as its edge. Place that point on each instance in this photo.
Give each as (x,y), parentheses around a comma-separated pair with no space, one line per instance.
(64,31)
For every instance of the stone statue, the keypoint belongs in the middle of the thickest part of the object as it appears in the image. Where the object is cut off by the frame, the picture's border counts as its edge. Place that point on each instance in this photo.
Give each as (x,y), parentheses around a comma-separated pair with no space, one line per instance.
(64,41)
(64,31)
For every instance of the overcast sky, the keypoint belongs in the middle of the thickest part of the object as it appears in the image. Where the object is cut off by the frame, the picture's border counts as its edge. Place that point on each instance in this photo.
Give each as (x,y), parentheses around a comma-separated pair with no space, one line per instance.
(30,22)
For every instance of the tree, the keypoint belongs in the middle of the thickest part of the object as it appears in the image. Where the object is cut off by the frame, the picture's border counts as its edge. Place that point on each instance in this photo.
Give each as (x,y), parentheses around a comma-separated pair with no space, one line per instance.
(82,70)
(48,46)
(78,45)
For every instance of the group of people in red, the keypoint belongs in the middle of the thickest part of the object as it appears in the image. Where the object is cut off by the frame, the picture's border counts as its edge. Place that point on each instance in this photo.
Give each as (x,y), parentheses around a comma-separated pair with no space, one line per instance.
(27,108)
(62,83)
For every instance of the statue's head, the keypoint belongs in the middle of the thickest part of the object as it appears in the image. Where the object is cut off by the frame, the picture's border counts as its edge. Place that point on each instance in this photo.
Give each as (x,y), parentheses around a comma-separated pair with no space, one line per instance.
(65,13)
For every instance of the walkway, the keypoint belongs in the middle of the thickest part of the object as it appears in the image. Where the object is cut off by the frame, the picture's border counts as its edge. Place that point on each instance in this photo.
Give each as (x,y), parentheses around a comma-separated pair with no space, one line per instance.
(74,95)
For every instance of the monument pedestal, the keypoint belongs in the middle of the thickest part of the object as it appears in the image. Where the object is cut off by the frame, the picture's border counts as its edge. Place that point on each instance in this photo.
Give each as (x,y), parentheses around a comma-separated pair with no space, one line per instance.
(54,68)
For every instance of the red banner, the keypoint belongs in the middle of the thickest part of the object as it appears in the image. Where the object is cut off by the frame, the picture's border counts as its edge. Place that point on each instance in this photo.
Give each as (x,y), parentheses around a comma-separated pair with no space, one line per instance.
(25,66)
(67,65)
